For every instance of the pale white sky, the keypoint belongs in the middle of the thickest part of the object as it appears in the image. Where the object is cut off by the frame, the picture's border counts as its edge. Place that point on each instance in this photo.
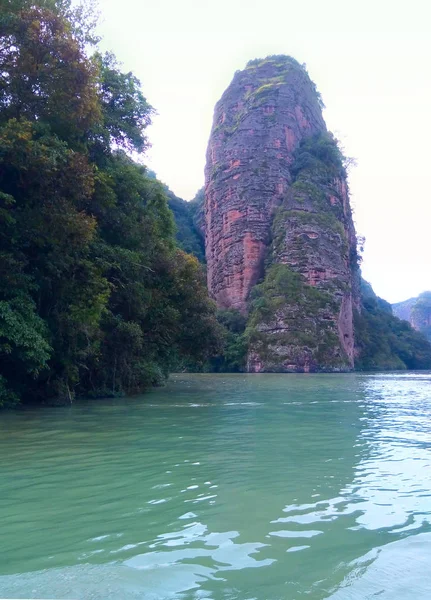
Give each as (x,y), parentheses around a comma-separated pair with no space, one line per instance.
(371,61)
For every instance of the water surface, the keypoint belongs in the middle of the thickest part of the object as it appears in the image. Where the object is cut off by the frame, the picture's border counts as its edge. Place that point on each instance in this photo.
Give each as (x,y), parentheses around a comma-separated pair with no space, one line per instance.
(236,487)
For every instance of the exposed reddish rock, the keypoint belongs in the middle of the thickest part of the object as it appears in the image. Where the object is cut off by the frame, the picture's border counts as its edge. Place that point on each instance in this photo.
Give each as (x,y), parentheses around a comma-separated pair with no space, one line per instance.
(268,204)
(259,121)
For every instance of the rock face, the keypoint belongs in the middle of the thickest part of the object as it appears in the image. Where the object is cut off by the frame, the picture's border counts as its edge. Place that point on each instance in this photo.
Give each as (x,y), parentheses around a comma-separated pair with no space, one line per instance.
(258,123)
(280,240)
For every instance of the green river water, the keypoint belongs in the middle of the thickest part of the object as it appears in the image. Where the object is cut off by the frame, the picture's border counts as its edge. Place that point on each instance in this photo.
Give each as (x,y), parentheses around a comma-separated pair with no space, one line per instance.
(245,487)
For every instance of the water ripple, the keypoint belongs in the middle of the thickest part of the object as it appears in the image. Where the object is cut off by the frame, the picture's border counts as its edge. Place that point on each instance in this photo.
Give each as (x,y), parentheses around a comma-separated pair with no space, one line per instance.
(235,487)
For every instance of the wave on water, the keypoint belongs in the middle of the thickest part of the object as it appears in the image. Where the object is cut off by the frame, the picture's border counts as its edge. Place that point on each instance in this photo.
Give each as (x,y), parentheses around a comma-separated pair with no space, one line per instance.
(398,570)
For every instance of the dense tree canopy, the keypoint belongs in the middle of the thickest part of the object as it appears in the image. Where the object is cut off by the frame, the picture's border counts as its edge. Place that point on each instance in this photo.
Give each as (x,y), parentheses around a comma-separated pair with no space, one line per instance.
(95,297)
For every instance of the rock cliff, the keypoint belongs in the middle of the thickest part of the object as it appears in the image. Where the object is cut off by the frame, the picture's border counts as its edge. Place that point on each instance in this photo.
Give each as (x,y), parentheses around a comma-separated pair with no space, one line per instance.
(258,123)
(280,240)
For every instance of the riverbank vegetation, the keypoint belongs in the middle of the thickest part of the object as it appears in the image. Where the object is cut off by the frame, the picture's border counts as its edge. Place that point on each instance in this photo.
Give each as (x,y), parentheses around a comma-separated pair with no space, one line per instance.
(95,296)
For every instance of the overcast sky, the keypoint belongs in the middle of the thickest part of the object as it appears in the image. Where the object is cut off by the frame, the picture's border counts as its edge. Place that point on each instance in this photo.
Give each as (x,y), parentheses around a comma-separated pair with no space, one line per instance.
(371,61)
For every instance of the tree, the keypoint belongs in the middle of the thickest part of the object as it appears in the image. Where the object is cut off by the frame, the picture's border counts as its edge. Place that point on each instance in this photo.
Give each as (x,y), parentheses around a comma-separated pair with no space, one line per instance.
(45,75)
(94,296)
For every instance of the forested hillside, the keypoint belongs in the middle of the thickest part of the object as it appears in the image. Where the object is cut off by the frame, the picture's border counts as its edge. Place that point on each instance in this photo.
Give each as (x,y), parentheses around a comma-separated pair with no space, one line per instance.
(385,342)
(187,232)
(95,296)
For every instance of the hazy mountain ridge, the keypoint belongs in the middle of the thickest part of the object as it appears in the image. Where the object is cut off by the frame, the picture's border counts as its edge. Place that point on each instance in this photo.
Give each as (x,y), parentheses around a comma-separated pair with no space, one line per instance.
(417,311)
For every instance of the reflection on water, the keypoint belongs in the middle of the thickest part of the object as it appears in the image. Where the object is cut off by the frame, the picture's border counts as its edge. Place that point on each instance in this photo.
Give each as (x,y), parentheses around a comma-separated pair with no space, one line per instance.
(260,487)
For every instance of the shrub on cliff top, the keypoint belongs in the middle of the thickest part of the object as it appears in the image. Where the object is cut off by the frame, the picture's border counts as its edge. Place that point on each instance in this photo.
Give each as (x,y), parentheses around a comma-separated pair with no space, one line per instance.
(279,59)
(319,152)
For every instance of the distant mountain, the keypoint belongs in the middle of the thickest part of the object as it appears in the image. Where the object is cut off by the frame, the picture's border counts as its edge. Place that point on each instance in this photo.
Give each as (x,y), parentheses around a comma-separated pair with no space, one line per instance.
(417,311)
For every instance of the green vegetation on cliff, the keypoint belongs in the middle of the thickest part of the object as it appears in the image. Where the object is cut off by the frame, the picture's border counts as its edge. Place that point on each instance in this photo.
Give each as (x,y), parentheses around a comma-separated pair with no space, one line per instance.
(307,336)
(383,341)
(293,325)
(293,321)
(283,63)
(95,297)
(319,155)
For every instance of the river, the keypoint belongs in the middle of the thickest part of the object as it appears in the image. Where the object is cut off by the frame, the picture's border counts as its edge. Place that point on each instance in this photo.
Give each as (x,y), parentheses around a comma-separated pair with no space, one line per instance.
(223,487)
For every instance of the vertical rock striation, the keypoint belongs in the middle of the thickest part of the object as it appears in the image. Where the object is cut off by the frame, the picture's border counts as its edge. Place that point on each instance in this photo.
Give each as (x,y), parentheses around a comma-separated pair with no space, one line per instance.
(279,235)
(302,318)
(258,123)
